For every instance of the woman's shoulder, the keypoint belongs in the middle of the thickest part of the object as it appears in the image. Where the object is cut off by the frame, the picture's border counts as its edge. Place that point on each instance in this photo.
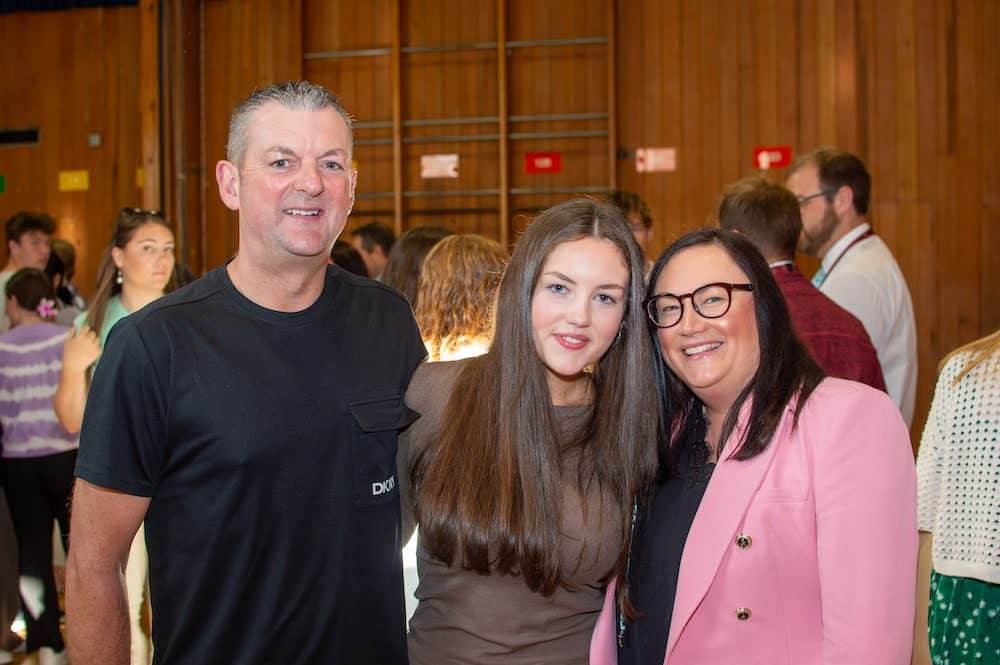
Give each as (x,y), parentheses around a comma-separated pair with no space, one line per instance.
(841,398)
(433,382)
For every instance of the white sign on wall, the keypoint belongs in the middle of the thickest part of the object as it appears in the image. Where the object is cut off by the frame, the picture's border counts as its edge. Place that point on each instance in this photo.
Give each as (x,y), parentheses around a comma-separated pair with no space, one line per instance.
(439,166)
(648,160)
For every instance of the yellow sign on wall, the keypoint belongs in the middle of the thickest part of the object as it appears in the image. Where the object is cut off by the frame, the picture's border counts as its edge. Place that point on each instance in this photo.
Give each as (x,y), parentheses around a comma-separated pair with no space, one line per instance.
(74,181)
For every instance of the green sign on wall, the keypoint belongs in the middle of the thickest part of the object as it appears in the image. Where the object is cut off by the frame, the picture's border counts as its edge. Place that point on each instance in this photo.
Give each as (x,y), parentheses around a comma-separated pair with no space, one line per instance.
(3,183)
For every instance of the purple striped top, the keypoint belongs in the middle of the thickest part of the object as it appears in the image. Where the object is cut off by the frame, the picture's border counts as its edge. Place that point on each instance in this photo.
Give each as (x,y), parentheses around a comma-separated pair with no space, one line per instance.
(30,362)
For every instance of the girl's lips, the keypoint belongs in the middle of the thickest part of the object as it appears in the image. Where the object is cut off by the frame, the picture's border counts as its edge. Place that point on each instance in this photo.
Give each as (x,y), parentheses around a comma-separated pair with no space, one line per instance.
(571,342)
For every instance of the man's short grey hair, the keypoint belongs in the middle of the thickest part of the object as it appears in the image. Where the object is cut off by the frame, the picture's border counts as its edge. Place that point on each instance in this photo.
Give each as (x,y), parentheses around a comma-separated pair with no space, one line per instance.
(296,95)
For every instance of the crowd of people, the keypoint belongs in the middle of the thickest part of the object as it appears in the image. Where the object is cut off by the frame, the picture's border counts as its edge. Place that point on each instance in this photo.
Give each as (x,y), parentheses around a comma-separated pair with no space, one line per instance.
(602,456)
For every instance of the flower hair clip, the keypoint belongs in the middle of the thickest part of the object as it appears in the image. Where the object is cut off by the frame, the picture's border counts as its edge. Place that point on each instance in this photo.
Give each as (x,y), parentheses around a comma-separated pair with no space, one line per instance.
(46,308)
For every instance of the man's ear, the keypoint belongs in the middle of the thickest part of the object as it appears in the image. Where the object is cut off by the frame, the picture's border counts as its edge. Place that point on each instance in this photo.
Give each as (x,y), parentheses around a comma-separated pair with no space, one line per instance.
(843,200)
(227,175)
(354,184)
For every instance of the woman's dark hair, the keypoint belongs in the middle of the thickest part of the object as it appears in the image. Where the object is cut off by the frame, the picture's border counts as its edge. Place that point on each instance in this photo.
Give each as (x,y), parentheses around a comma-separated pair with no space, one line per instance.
(402,272)
(129,221)
(29,286)
(786,370)
(488,495)
(57,268)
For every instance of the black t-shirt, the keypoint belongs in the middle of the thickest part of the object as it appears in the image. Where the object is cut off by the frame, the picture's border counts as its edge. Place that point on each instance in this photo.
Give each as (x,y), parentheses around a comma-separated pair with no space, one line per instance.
(267,444)
(657,549)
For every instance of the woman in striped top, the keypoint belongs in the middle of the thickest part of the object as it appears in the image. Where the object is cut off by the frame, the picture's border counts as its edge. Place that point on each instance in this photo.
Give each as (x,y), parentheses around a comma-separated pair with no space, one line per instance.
(39,454)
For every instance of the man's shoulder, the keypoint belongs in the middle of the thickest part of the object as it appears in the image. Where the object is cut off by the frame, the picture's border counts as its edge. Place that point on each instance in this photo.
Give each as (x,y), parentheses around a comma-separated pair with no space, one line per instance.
(364,287)
(871,259)
(819,314)
(175,304)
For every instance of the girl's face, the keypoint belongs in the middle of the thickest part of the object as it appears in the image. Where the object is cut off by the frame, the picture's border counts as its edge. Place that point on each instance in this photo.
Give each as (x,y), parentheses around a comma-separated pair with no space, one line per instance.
(147,260)
(576,312)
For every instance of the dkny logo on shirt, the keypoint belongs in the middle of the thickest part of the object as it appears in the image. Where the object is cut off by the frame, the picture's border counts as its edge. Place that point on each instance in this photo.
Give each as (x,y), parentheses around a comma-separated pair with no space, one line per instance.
(384,486)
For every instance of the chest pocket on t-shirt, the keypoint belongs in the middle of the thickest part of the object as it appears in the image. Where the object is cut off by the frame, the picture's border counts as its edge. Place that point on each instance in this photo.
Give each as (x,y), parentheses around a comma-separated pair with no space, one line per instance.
(375,429)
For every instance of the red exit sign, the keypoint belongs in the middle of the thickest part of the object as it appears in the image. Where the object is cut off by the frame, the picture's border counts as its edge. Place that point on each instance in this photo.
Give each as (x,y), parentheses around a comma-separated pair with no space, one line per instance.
(542,162)
(772,156)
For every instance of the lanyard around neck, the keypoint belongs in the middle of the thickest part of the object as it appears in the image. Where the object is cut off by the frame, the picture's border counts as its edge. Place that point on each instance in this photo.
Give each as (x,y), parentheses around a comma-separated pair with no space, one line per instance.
(826,273)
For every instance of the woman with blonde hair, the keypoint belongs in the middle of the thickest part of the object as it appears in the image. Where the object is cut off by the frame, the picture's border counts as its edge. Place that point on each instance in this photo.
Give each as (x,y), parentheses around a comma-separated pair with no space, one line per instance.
(958,512)
(456,293)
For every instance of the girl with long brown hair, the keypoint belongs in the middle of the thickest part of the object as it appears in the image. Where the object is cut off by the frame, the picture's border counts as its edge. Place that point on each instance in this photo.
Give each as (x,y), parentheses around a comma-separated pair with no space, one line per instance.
(523,468)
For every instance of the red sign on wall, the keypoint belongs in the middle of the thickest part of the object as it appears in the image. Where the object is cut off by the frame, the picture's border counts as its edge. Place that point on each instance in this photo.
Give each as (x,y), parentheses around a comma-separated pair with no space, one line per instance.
(542,162)
(771,156)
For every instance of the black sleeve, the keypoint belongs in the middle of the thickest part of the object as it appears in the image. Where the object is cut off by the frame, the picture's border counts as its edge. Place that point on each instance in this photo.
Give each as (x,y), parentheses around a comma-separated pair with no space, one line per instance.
(123,437)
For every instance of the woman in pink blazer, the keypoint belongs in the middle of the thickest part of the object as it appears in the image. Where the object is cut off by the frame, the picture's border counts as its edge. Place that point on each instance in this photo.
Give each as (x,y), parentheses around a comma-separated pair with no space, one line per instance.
(782,528)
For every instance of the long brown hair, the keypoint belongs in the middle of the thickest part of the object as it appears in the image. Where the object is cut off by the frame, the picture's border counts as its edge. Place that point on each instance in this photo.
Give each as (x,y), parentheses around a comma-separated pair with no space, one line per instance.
(458,284)
(129,221)
(489,495)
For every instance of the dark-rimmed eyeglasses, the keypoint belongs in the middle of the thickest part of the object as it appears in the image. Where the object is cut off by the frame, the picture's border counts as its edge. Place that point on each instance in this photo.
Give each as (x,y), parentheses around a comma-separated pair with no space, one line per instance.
(710,301)
(806,199)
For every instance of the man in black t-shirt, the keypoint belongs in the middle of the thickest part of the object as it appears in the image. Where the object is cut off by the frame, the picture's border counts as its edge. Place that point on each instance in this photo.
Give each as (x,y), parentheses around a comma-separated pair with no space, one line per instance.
(251,420)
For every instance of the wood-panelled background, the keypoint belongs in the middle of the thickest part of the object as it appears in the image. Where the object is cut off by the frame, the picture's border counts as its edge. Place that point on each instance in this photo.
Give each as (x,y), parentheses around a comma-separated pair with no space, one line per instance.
(913,86)
(52,77)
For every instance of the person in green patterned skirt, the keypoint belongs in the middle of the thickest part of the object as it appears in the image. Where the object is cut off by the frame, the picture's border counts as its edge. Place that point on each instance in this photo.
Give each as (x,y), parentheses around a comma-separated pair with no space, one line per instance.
(958,513)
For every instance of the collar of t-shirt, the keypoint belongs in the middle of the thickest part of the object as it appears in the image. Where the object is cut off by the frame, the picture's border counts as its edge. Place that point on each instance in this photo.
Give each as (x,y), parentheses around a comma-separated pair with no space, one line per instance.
(778,264)
(841,245)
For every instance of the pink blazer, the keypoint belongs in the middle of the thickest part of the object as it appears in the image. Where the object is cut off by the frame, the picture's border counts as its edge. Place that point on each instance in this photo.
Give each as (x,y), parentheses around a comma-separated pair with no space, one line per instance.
(805,554)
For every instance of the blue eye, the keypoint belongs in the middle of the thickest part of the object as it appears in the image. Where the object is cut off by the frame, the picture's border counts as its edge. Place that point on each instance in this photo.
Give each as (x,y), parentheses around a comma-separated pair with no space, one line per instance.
(557,288)
(333,165)
(280,163)
(607,299)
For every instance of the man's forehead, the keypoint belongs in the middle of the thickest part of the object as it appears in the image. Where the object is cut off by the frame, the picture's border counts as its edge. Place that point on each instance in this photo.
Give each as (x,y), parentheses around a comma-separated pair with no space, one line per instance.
(272,121)
(802,175)
(33,234)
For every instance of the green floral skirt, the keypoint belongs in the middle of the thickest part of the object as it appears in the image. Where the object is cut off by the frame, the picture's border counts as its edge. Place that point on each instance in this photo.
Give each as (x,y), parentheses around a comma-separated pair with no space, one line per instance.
(963,621)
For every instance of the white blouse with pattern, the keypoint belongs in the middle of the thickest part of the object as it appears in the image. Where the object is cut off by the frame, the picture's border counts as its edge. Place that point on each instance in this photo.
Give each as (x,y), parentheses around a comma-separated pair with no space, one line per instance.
(958,471)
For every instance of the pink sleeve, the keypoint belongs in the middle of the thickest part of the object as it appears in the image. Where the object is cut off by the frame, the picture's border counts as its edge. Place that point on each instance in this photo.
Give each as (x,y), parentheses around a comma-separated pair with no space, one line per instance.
(865,490)
(603,650)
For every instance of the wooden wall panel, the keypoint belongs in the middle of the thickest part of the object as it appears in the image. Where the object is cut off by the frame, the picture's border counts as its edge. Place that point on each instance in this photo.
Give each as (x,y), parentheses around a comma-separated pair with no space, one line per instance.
(181,92)
(912,86)
(70,89)
(989,286)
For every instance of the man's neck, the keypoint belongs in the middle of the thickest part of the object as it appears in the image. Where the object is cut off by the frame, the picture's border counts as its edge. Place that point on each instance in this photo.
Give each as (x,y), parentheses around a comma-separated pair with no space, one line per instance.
(774,260)
(845,226)
(289,288)
(10,266)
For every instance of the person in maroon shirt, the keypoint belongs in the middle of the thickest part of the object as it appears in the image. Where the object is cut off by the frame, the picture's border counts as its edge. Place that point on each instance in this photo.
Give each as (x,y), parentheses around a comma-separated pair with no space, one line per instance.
(767,214)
